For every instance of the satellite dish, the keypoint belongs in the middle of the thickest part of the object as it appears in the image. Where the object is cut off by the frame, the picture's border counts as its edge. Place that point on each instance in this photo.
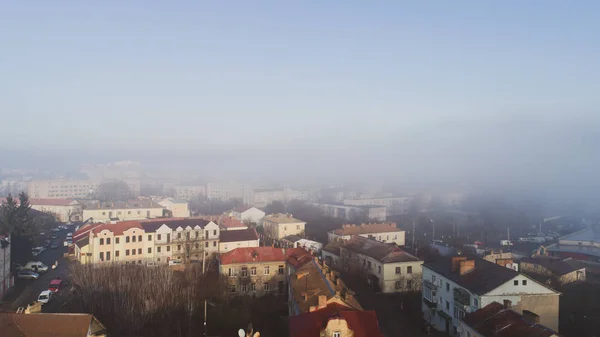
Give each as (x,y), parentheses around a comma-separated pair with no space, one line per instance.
(241,333)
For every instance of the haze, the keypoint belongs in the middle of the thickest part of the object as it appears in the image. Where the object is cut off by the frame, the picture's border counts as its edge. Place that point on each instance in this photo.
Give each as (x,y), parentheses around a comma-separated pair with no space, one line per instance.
(490,94)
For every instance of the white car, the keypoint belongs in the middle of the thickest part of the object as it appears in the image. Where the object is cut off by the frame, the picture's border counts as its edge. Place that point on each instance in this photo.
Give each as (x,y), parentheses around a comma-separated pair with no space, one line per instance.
(45,296)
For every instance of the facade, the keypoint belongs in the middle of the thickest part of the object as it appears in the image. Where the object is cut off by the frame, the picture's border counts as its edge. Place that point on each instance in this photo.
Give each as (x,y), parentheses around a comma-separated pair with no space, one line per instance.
(74,189)
(65,210)
(387,267)
(245,238)
(384,232)
(582,245)
(331,254)
(499,320)
(247,214)
(278,226)
(45,324)
(228,191)
(263,197)
(553,271)
(177,208)
(454,287)
(393,205)
(188,192)
(122,211)
(375,213)
(6,280)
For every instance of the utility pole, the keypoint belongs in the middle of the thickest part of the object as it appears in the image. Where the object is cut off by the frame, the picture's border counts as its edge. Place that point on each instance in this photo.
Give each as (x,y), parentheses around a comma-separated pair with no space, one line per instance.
(433,227)
(413,235)
(203,269)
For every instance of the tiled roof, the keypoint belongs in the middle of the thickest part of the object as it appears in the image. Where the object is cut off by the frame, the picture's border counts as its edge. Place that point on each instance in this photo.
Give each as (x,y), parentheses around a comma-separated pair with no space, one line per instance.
(333,247)
(384,252)
(45,325)
(253,254)
(152,225)
(556,266)
(297,257)
(242,208)
(51,202)
(231,222)
(238,235)
(367,229)
(282,218)
(362,323)
(84,231)
(117,228)
(494,320)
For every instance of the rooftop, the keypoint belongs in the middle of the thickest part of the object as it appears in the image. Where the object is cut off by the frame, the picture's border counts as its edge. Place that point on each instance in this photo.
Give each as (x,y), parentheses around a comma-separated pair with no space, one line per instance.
(52,202)
(384,252)
(362,323)
(297,257)
(130,204)
(229,222)
(49,325)
(587,235)
(151,225)
(282,218)
(238,235)
(333,247)
(558,267)
(253,255)
(117,228)
(371,228)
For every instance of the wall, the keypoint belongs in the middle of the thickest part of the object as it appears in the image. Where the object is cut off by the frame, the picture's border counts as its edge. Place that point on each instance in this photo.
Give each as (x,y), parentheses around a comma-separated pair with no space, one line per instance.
(253,214)
(328,256)
(104,215)
(273,278)
(390,277)
(225,247)
(337,325)
(123,246)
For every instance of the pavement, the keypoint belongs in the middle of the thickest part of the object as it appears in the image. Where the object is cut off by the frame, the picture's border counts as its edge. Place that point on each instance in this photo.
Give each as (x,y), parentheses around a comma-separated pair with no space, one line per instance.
(27,291)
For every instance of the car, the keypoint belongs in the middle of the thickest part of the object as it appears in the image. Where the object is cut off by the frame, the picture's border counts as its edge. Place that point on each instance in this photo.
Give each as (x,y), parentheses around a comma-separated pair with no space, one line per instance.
(54,236)
(69,241)
(37,250)
(54,245)
(28,275)
(45,296)
(35,266)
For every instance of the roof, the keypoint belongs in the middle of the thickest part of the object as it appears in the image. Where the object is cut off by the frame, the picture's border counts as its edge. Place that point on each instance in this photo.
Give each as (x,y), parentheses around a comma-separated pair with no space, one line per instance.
(83,242)
(362,323)
(118,227)
(282,218)
(253,255)
(556,266)
(494,320)
(151,225)
(242,208)
(485,277)
(173,201)
(51,202)
(590,234)
(333,247)
(130,204)
(231,222)
(297,257)
(293,238)
(384,252)
(84,232)
(238,235)
(46,325)
(367,229)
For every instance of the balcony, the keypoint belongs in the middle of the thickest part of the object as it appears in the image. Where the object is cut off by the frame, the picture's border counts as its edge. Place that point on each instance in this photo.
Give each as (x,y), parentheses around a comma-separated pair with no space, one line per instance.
(462,297)
(430,285)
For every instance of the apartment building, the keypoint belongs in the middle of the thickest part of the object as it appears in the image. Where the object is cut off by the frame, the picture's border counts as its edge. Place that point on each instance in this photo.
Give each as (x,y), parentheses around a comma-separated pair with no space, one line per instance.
(188,192)
(228,191)
(393,205)
(6,280)
(384,232)
(278,226)
(245,238)
(65,210)
(265,196)
(553,270)
(453,287)
(254,271)
(387,267)
(247,214)
(122,210)
(176,208)
(375,213)
(74,189)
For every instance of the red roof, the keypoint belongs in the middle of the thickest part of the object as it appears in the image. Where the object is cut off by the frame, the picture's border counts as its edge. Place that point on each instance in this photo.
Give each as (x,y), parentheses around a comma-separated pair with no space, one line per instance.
(51,202)
(118,228)
(297,257)
(253,254)
(83,232)
(362,323)
(231,222)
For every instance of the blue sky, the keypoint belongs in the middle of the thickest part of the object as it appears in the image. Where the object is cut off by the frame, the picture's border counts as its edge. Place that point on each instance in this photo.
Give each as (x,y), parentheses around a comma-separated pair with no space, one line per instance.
(283,74)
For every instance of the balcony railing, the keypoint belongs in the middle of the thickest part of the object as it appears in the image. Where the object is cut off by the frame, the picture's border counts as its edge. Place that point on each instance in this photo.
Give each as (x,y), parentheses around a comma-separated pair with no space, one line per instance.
(462,297)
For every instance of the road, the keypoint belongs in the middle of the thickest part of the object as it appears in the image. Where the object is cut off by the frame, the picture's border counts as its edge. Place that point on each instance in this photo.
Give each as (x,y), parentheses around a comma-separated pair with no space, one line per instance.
(27,291)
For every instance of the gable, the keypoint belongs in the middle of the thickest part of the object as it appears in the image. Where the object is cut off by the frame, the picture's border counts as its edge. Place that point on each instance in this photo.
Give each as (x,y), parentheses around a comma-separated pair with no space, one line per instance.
(532,287)
(163,229)
(211,226)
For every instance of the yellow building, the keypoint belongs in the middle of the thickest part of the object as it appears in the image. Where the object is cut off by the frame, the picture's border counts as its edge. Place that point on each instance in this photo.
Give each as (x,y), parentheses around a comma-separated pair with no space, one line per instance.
(122,210)
(278,226)
(177,208)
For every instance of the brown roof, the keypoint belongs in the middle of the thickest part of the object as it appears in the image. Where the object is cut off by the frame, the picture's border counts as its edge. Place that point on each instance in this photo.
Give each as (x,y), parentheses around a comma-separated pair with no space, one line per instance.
(231,222)
(84,231)
(556,266)
(282,218)
(117,228)
(494,320)
(51,202)
(311,324)
(253,254)
(238,235)
(45,325)
(384,252)
(372,228)
(151,225)
(333,247)
(297,257)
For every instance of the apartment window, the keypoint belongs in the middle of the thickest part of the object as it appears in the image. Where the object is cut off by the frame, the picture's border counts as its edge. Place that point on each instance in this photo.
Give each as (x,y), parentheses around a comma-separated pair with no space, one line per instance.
(409,284)
(117,240)
(267,271)
(103,213)
(139,212)
(119,212)
(133,238)
(197,234)
(116,253)
(127,239)
(244,271)
(379,269)
(524,282)
(126,252)
(206,244)
(243,288)
(398,270)
(252,287)
(158,260)
(133,252)
(516,282)
(197,245)
(101,256)
(149,250)
(215,232)
(266,286)
(158,249)
(298,227)
(128,212)
(140,238)
(231,272)
(253,271)
(447,286)
(140,251)
(168,248)
(107,256)
(149,237)
(281,270)
(409,270)
(179,235)
(284,228)
(178,247)
(214,243)
(168,238)
(447,305)
(101,242)
(398,284)
(108,241)
(433,279)
(159,237)
(206,234)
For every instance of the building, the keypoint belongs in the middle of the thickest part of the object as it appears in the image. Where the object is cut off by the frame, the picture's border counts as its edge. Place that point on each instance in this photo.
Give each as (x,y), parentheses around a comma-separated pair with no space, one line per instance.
(387,267)
(331,254)
(335,320)
(176,208)
(63,325)
(6,279)
(453,287)
(499,320)
(245,238)
(393,205)
(247,214)
(74,189)
(277,226)
(122,210)
(553,271)
(581,245)
(263,197)
(384,232)
(375,213)
(188,192)
(228,191)
(254,271)
(229,223)
(65,210)
(297,241)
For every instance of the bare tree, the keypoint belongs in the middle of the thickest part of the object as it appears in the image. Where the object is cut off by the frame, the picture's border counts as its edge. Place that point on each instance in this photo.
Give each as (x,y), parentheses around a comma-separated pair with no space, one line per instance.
(188,245)
(113,190)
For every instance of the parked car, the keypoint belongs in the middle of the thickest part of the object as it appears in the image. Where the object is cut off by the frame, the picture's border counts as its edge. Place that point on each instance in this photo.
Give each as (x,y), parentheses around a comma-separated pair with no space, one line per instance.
(28,275)
(45,296)
(55,285)
(54,245)
(175,262)
(35,266)
(69,241)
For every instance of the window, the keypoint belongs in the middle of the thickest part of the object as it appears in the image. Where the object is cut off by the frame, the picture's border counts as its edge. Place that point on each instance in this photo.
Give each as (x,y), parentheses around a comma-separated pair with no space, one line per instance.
(117,240)
(158,249)
(244,271)
(243,288)
(168,248)
(101,256)
(379,269)
(101,242)
(108,241)
(116,253)
(447,305)
(149,250)
(103,213)
(133,238)
(232,289)
(215,232)
(253,271)
(140,251)
(159,237)
(398,284)
(179,235)
(409,270)
(197,245)
(337,334)
(126,252)
(398,270)
(214,243)
(178,247)
(197,234)
(139,212)
(266,286)
(369,264)
(298,227)
(206,234)
(107,256)
(396,237)
(516,282)
(281,270)
(475,302)
(140,238)
(267,270)
(206,244)
(231,272)
(433,279)
(168,238)
(252,287)
(133,252)
(409,284)
(447,286)
(149,237)
(524,282)
(128,212)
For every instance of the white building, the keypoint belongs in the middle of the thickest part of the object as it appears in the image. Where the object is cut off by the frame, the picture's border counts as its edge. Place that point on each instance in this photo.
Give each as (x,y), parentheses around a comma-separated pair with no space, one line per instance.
(384,232)
(298,241)
(6,280)
(228,191)
(65,210)
(387,266)
(244,238)
(121,211)
(75,189)
(393,205)
(247,213)
(375,213)
(453,287)
(187,192)
(178,208)
(278,226)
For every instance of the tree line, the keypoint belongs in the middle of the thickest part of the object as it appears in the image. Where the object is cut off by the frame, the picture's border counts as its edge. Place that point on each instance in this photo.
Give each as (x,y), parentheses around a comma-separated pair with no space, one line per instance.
(16,220)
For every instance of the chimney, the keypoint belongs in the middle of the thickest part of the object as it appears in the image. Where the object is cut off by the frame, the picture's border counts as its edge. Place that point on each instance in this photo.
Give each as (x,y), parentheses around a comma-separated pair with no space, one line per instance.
(531,317)
(312,308)
(466,266)
(322,301)
(456,262)
(507,304)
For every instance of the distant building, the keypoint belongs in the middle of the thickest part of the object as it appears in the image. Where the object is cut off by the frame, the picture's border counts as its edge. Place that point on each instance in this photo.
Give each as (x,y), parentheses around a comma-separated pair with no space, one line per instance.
(65,210)
(46,324)
(6,279)
(499,320)
(278,226)
(228,191)
(229,223)
(298,241)
(375,213)
(388,267)
(247,213)
(265,196)
(185,192)
(384,232)
(122,210)
(232,239)
(553,271)
(581,245)
(331,254)
(74,189)
(177,208)
(393,205)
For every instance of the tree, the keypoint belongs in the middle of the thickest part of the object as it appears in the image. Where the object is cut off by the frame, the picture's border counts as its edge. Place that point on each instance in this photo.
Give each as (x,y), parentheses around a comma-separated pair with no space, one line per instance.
(15,219)
(113,190)
(189,245)
(275,207)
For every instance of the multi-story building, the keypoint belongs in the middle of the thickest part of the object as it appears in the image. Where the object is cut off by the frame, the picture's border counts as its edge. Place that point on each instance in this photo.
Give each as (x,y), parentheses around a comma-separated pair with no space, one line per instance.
(187,192)
(177,208)
(552,270)
(6,280)
(384,232)
(393,205)
(254,271)
(65,210)
(228,191)
(581,245)
(278,226)
(244,238)
(453,287)
(247,214)
(122,210)
(387,267)
(375,213)
(74,189)
(263,197)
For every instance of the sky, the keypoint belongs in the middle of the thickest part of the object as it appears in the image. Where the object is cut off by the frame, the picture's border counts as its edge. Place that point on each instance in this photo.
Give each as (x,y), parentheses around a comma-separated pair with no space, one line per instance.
(467,86)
